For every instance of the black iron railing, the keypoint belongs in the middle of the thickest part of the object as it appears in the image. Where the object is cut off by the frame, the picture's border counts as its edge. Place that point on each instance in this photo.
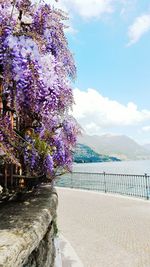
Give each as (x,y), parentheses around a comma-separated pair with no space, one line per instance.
(124,184)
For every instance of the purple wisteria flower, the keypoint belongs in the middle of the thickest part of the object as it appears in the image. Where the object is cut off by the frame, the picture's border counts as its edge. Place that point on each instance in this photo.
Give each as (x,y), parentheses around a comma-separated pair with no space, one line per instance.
(35,70)
(49,165)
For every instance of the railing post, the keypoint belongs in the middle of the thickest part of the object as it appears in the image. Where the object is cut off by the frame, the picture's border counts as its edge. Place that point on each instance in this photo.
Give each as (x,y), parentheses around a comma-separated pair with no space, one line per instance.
(105,182)
(146,183)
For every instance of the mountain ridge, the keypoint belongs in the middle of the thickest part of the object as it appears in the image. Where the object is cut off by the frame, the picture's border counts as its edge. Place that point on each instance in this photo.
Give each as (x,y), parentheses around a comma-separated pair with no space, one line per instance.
(120,146)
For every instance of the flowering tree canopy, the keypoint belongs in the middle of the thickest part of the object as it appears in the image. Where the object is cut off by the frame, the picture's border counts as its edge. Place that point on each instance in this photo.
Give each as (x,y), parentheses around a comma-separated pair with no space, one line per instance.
(35,70)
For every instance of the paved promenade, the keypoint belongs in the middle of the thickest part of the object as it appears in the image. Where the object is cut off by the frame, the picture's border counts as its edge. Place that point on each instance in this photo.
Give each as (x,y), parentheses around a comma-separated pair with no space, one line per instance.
(105,230)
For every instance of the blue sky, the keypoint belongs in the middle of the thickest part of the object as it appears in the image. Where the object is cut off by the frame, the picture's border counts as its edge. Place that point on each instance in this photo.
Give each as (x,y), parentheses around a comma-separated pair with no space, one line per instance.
(110,40)
(104,61)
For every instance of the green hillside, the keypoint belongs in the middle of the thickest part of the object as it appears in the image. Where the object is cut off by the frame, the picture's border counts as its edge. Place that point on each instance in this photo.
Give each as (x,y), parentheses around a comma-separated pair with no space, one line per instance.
(84,154)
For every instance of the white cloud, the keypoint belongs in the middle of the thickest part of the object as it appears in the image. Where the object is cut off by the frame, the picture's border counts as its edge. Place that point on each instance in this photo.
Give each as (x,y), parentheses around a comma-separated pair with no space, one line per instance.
(140,26)
(97,113)
(94,8)
(86,8)
(146,129)
(90,8)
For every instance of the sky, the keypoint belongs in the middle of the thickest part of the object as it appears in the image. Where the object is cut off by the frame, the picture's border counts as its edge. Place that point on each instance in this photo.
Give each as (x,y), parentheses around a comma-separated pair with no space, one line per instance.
(110,40)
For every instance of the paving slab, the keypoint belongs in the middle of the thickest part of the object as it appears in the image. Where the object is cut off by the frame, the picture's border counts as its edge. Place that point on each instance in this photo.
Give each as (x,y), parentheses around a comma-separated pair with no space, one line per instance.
(105,230)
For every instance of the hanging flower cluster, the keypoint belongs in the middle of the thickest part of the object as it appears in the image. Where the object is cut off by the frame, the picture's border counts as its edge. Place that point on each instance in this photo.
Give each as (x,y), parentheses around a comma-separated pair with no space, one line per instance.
(35,70)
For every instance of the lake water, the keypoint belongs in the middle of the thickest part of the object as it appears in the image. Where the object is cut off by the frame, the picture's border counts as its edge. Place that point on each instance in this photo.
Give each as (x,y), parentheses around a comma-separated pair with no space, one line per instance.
(126,177)
(122,167)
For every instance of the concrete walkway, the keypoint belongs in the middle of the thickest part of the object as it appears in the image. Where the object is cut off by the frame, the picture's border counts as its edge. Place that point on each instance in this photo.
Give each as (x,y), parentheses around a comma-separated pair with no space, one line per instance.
(105,230)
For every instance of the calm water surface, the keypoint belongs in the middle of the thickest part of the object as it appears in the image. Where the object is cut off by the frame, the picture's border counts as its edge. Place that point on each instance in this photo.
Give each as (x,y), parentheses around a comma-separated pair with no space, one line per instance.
(127,167)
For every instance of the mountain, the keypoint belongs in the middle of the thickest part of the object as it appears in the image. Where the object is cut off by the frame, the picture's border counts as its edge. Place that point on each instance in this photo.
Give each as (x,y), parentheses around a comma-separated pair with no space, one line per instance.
(147,147)
(84,153)
(120,146)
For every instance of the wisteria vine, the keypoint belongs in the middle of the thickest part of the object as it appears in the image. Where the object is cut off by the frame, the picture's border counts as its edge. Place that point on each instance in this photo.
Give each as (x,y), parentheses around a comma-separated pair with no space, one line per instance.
(35,70)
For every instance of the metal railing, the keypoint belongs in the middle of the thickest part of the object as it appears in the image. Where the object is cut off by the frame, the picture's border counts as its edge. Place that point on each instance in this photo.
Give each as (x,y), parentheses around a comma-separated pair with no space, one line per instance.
(124,184)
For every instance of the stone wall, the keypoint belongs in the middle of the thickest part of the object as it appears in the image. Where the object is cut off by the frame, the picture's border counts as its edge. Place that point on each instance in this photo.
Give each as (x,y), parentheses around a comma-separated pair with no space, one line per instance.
(27,230)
